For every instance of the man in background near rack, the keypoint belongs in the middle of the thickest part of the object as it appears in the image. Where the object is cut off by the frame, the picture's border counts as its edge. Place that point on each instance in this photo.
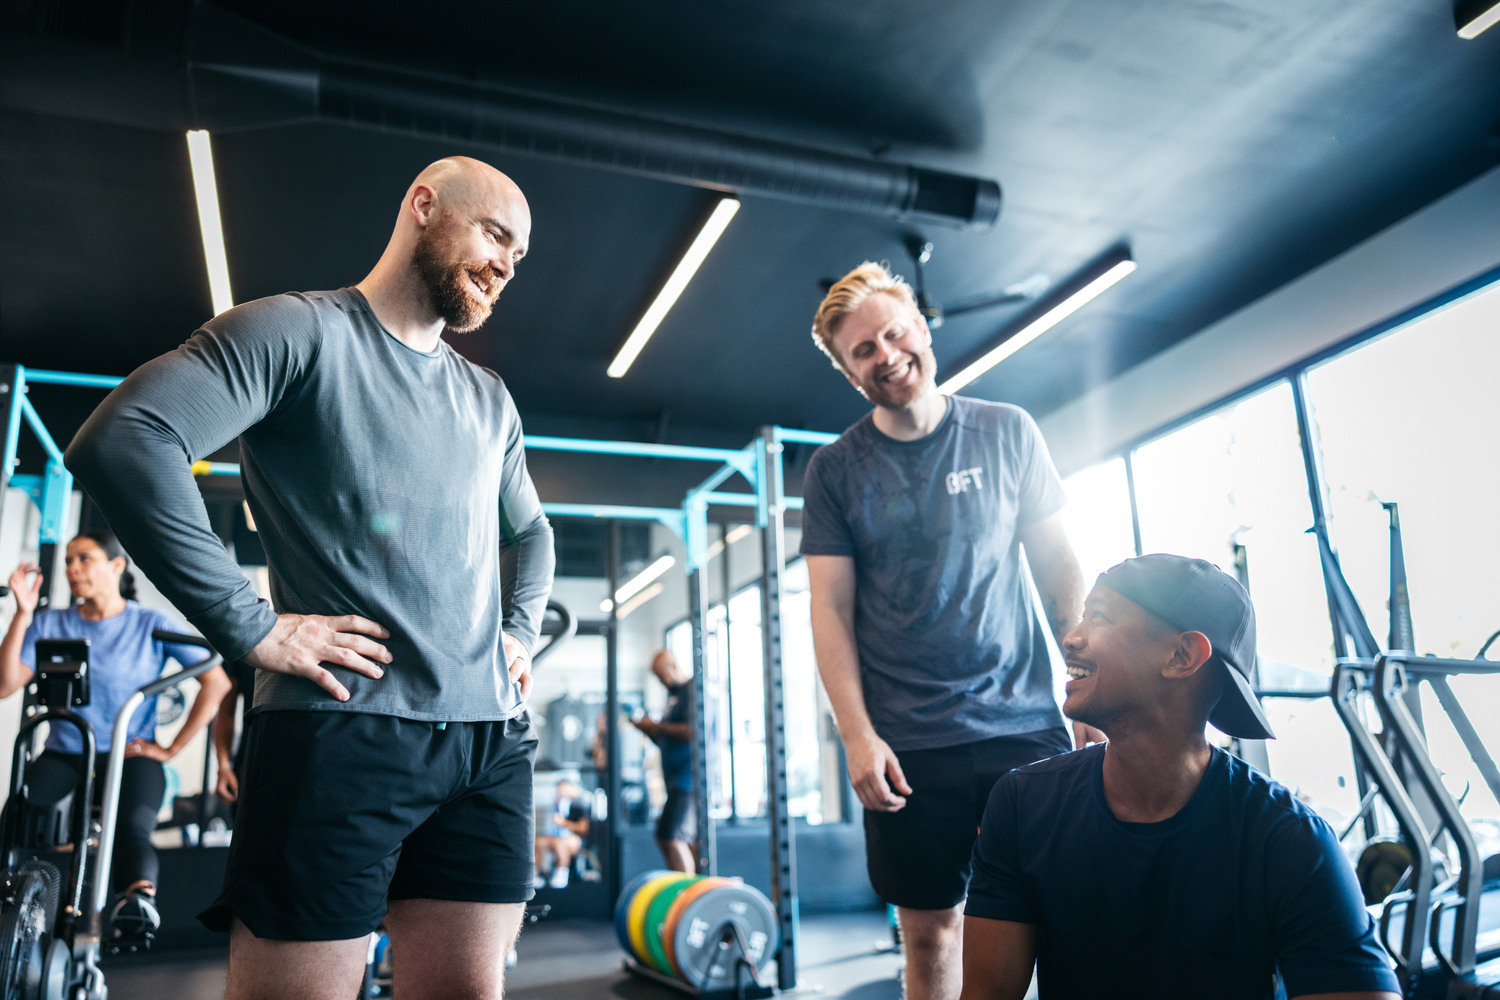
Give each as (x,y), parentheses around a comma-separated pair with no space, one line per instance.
(1157,865)
(676,827)
(923,623)
(388,771)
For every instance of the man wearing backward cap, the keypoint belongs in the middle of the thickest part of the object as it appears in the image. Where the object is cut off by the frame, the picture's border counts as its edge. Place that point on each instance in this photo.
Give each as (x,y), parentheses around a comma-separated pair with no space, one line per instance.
(1156,865)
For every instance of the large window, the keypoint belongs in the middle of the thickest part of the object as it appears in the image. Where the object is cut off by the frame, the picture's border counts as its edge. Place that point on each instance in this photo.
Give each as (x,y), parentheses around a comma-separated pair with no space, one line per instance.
(1412,418)
(1229,487)
(1097,517)
(735,677)
(1409,417)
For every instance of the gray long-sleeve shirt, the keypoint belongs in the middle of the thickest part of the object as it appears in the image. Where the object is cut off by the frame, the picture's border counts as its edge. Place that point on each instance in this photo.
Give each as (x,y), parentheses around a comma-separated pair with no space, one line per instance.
(384,482)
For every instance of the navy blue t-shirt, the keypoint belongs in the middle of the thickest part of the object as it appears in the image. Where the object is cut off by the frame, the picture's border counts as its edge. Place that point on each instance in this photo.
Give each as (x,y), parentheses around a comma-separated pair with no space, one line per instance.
(1244,882)
(677,755)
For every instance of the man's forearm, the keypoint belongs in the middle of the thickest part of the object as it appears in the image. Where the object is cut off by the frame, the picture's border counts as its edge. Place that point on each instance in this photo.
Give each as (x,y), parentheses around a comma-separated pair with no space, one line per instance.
(1059,579)
(1062,599)
(681,731)
(838,666)
(526,570)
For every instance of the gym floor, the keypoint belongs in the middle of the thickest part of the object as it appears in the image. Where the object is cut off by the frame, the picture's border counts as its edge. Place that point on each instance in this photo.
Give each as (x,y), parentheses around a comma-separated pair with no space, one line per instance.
(840,957)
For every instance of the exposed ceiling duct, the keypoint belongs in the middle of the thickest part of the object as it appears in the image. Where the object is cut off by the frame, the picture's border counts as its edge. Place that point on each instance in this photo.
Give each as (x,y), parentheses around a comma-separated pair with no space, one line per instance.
(197,66)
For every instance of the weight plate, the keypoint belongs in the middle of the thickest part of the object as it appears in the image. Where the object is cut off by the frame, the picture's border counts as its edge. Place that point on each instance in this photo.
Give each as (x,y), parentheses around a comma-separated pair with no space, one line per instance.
(622,908)
(656,915)
(705,922)
(635,918)
(679,906)
(1381,865)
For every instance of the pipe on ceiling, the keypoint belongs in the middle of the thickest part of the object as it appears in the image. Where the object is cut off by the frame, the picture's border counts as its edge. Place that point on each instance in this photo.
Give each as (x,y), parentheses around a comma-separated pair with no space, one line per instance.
(225,73)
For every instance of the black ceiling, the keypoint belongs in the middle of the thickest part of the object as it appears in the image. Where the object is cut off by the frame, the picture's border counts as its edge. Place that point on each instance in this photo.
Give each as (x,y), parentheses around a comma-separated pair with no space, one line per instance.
(1232,145)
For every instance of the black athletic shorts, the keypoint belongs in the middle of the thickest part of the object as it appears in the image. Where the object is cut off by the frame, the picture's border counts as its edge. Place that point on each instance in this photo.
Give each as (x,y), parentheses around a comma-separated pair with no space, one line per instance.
(341,811)
(919,856)
(678,819)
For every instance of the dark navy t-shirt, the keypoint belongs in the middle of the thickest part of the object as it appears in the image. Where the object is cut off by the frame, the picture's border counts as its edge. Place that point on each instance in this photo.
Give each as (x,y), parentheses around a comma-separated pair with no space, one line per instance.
(1244,882)
(677,755)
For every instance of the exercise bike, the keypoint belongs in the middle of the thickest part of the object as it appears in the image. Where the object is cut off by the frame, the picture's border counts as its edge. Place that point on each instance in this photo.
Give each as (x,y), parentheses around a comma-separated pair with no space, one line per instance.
(51,927)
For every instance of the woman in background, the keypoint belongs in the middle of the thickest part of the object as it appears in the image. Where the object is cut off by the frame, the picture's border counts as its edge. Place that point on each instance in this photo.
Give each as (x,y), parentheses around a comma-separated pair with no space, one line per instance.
(123,655)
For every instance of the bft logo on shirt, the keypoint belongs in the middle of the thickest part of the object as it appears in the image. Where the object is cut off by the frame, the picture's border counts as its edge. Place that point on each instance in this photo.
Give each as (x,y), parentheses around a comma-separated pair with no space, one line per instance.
(960,481)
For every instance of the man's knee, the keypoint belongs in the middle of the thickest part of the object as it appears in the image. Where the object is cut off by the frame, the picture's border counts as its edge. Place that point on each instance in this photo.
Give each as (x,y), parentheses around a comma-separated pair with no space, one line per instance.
(261,967)
(931,930)
(444,948)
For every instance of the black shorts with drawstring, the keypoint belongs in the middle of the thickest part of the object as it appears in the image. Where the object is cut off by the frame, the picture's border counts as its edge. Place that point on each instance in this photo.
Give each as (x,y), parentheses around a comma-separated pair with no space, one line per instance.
(340,812)
(919,856)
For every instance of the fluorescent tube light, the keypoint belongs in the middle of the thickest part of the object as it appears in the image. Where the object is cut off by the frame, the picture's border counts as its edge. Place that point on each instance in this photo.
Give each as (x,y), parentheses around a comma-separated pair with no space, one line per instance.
(665,563)
(735,534)
(650,592)
(638,582)
(1046,321)
(1474,18)
(686,268)
(202,157)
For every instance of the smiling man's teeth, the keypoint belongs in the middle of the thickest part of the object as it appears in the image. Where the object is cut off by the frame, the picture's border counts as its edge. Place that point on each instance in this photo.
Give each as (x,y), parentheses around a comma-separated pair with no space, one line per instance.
(1078,673)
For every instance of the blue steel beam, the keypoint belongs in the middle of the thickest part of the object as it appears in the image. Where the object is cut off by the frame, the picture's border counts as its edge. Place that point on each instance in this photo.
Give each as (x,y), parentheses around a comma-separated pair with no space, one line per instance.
(57,490)
(803,437)
(72,378)
(730,499)
(13,424)
(54,453)
(726,455)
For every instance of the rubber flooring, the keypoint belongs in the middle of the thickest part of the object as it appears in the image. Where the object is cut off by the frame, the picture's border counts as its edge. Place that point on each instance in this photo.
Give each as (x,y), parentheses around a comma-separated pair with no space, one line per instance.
(840,957)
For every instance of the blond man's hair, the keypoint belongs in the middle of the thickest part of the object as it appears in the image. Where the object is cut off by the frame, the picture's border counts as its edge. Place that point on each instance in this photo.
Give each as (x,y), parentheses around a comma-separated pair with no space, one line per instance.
(848,294)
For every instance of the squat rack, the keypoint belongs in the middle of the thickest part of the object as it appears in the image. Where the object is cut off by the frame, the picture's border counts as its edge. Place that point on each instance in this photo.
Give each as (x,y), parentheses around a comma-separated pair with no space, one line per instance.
(759,464)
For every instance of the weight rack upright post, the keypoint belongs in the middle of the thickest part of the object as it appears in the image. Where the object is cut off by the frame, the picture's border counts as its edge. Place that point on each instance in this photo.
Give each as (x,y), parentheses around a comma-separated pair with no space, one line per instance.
(612,761)
(707,860)
(783,848)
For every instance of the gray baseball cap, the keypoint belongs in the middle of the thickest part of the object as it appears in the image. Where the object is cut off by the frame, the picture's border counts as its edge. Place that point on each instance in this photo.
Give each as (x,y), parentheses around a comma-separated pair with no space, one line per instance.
(1196,596)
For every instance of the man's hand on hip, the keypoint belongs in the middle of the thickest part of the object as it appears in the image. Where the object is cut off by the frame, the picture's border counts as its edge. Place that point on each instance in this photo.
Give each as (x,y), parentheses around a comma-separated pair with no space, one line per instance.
(300,644)
(518,661)
(876,774)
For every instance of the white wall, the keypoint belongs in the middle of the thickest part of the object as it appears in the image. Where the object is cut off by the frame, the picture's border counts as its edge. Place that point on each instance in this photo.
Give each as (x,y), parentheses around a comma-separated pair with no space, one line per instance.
(1449,242)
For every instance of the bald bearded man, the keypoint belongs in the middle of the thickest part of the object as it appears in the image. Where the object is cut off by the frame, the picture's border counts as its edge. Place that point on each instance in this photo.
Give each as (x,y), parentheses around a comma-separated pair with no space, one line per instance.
(388,770)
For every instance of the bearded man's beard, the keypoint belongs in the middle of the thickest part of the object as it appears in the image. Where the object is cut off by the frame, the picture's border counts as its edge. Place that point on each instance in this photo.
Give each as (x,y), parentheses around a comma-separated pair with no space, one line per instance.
(447,284)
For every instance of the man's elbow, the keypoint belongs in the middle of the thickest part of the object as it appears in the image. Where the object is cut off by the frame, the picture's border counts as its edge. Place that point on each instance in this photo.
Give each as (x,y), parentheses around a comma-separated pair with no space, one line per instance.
(85,453)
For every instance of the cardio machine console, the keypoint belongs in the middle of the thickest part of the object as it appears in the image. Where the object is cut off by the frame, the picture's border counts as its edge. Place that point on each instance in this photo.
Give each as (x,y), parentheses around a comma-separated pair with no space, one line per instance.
(62,672)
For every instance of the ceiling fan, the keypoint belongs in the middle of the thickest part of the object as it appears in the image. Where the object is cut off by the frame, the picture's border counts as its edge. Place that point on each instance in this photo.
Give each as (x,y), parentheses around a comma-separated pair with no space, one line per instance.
(921,252)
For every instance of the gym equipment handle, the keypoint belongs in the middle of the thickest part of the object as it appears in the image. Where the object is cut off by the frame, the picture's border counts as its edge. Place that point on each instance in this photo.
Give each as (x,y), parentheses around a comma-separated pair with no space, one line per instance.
(111,796)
